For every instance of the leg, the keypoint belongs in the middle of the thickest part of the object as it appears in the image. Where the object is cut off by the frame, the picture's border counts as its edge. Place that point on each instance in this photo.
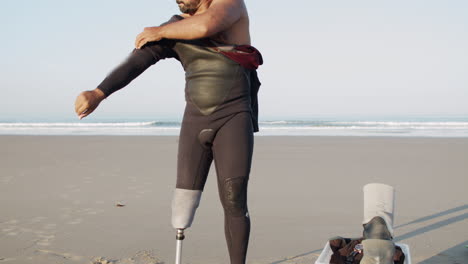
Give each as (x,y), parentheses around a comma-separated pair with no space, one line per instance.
(193,163)
(379,200)
(232,149)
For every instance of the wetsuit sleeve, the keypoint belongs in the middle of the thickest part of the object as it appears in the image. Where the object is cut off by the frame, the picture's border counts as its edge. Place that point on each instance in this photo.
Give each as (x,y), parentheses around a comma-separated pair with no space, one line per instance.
(136,63)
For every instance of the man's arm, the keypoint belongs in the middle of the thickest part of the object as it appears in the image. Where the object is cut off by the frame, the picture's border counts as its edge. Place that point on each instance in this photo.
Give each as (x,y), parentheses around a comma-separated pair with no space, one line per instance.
(136,63)
(218,17)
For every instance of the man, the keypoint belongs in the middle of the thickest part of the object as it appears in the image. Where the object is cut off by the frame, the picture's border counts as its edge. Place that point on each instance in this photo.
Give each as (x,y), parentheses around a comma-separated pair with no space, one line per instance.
(211,39)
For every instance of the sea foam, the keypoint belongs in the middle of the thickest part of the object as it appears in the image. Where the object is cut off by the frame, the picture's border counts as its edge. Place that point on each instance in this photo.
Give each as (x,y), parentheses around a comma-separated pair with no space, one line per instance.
(270,127)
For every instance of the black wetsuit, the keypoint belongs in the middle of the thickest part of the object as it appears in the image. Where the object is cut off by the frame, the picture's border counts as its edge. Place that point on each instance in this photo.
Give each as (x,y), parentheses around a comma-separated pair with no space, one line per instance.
(218,124)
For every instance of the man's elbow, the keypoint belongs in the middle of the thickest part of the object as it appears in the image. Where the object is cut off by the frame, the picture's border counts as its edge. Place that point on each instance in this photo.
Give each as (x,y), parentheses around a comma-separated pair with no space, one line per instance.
(203,31)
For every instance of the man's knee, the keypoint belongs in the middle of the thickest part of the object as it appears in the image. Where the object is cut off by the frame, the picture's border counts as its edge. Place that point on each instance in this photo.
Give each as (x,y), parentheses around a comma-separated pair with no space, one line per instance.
(234,197)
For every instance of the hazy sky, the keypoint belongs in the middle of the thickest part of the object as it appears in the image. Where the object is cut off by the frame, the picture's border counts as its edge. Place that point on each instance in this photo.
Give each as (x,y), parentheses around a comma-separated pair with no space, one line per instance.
(322,58)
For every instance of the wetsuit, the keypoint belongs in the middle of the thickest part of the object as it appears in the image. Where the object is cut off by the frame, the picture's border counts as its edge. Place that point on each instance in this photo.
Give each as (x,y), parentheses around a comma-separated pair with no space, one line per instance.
(218,124)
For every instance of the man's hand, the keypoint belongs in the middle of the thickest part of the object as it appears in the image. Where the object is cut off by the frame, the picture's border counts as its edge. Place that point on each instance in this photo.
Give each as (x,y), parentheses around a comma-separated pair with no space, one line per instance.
(88,101)
(149,34)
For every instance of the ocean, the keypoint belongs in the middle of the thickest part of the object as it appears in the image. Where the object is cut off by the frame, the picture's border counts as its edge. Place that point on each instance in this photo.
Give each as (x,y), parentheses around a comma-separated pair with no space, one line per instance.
(393,127)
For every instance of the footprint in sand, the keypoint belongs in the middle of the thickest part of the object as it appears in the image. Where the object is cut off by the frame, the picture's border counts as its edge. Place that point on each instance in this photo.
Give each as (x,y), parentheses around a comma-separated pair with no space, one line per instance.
(65,216)
(102,260)
(6,259)
(43,243)
(144,191)
(88,180)
(75,222)
(47,237)
(6,179)
(64,196)
(45,240)
(76,214)
(50,226)
(38,219)
(26,230)
(146,257)
(60,255)
(133,179)
(89,211)
(10,228)
(66,212)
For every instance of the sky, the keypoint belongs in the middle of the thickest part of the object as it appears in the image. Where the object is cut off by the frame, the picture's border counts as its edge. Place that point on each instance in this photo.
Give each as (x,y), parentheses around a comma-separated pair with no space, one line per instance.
(321,58)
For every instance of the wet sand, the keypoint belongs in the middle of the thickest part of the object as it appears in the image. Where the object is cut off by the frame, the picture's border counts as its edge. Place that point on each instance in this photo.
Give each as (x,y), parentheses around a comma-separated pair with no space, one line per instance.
(58,197)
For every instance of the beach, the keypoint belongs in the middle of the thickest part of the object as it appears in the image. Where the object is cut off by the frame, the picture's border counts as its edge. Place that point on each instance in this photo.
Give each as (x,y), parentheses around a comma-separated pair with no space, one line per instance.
(107,199)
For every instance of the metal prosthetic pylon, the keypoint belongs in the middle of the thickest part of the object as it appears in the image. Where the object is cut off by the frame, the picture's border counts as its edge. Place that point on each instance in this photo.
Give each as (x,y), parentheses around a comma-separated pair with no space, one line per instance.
(179,238)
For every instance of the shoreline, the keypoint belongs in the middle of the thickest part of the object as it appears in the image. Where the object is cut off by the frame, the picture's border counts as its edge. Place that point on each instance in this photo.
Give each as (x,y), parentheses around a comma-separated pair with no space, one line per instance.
(422,127)
(255,135)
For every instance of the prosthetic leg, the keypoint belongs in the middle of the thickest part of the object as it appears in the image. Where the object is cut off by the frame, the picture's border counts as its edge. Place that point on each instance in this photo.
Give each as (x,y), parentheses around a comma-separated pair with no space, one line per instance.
(180,236)
(378,247)
(184,205)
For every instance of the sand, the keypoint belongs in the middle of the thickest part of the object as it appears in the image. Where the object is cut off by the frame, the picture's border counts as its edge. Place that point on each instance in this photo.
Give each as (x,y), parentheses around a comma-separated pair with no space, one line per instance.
(59,196)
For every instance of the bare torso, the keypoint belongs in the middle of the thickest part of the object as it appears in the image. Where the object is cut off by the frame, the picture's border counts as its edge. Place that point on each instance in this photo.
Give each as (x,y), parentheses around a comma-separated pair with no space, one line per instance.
(237,34)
